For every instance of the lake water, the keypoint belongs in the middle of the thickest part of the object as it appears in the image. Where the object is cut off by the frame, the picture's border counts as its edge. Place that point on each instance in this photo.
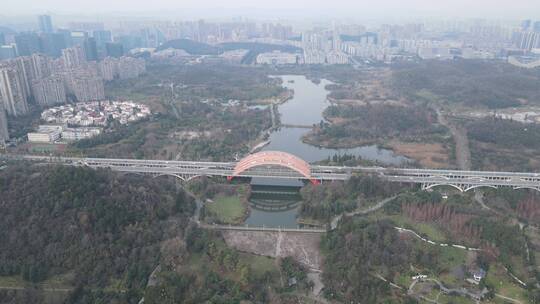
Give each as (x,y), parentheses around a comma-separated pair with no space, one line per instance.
(305,108)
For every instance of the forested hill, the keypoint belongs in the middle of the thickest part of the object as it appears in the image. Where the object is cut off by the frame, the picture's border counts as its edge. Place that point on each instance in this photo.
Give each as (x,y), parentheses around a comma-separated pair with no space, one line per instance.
(470,82)
(95,229)
(199,48)
(191,46)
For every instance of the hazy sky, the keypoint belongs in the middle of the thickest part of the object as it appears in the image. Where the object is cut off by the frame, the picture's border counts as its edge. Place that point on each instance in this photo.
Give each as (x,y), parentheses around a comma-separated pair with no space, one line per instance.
(349,8)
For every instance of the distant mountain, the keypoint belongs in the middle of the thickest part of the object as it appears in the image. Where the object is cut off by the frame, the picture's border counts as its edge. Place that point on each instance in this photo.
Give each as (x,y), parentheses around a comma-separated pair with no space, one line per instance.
(191,46)
(358,38)
(259,47)
(254,48)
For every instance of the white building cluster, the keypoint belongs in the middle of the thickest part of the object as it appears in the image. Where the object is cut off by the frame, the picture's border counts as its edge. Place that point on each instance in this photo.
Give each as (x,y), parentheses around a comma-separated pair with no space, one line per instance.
(85,120)
(96,113)
(50,81)
(57,133)
(234,56)
(323,47)
(277,58)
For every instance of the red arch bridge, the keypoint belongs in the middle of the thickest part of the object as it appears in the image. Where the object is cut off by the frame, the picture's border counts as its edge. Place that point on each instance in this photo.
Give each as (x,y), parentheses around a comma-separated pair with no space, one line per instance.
(277,164)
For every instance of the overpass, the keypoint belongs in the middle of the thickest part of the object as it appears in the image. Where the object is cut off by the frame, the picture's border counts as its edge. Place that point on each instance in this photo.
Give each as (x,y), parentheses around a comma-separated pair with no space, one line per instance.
(282,165)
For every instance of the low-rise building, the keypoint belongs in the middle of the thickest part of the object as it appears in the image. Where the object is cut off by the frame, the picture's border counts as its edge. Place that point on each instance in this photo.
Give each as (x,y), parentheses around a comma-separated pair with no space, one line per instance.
(277,58)
(46,134)
(234,57)
(74,134)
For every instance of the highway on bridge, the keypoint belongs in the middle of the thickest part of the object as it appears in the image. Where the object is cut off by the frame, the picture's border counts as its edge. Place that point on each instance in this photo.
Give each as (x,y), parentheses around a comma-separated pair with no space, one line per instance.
(283,165)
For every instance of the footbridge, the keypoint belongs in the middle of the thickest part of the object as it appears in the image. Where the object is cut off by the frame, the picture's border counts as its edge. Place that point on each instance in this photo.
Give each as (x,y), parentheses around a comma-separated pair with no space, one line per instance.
(283,165)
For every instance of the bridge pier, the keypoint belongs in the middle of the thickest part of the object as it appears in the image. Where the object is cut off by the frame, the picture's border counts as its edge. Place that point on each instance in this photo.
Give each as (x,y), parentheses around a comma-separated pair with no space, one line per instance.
(460,187)
(181,177)
(282,165)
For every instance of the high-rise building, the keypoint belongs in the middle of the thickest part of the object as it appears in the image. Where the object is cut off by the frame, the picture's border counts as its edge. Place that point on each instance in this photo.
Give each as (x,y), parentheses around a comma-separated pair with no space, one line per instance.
(108,68)
(27,44)
(86,26)
(129,42)
(41,66)
(2,39)
(525,24)
(12,92)
(4,132)
(90,49)
(123,68)
(49,91)
(102,37)
(78,37)
(8,52)
(73,57)
(536,27)
(67,36)
(529,40)
(129,67)
(86,87)
(151,37)
(53,44)
(45,24)
(23,66)
(114,49)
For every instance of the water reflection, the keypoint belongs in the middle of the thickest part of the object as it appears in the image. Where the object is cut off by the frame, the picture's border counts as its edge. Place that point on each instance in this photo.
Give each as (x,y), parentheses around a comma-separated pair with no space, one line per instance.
(305,108)
(290,140)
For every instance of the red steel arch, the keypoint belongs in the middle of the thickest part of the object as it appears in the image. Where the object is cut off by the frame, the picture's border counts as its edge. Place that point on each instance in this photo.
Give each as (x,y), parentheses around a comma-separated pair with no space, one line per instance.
(275,158)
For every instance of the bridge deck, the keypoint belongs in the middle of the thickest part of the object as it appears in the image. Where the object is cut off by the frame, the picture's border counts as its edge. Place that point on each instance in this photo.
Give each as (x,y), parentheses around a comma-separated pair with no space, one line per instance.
(463,180)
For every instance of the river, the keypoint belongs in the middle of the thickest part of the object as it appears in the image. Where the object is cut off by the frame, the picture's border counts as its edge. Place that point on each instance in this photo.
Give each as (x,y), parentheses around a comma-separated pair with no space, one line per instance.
(305,108)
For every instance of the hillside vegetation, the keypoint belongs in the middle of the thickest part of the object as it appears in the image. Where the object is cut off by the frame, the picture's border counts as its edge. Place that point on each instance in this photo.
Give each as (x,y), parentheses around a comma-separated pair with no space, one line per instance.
(359,125)
(473,83)
(95,229)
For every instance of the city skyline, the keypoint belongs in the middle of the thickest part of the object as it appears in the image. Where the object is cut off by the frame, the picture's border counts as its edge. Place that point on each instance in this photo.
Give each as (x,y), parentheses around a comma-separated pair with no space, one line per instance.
(285,9)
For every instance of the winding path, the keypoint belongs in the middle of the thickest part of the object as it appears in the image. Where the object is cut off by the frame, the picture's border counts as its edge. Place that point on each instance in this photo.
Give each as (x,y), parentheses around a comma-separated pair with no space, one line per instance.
(379,205)
(461,291)
(403,230)
(463,153)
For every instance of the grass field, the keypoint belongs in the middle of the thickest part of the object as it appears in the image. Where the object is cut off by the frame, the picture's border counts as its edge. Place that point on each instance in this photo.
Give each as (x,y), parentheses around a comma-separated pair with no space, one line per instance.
(503,284)
(227,209)
(260,265)
(12,281)
(427,229)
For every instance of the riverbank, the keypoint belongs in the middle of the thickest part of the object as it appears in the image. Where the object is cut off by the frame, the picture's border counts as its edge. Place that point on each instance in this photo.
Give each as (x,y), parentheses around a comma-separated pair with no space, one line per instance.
(311,139)
(282,98)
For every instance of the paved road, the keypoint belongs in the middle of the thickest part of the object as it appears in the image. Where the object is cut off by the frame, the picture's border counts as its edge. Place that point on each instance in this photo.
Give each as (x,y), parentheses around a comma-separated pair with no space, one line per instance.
(479,198)
(508,299)
(404,230)
(460,179)
(379,205)
(461,291)
(463,153)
